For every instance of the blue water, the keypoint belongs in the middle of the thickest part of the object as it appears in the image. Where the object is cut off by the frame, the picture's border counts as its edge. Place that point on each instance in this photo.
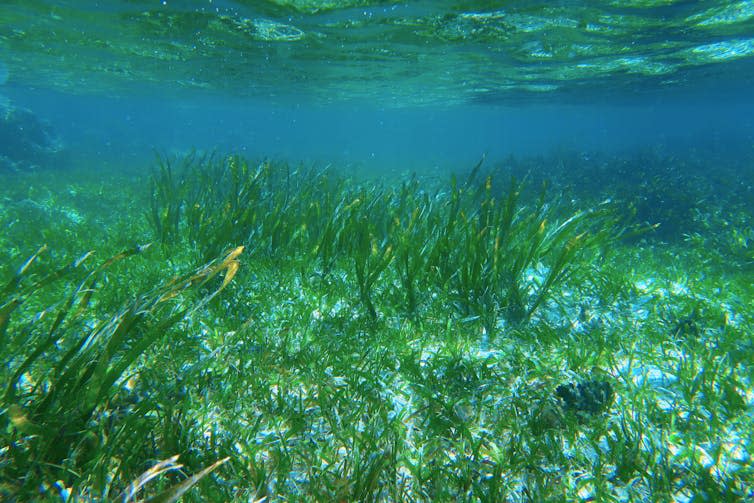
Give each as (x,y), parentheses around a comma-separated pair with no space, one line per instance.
(406,86)
(402,139)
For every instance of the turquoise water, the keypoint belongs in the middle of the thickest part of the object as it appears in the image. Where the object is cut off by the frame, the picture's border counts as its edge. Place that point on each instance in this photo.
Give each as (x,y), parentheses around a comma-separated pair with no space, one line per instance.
(421,84)
(3,73)
(438,53)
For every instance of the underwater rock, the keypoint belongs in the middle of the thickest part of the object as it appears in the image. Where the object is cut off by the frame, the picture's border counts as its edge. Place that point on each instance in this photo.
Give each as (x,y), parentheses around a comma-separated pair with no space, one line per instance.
(25,139)
(589,397)
(585,399)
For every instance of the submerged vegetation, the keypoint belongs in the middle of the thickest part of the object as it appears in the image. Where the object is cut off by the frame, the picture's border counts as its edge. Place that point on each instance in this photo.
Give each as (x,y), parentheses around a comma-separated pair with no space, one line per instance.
(486,337)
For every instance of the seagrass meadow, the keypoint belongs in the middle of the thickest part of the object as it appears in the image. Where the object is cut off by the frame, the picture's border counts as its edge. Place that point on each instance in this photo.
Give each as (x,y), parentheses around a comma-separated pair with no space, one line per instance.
(295,333)
(401,251)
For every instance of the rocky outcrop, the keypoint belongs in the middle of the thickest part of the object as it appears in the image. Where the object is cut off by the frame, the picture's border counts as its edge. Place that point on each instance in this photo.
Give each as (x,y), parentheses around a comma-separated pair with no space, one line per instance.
(26,141)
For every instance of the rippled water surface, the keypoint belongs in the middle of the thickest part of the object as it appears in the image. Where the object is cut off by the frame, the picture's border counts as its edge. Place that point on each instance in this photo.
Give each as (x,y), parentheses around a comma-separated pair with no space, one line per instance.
(402,53)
